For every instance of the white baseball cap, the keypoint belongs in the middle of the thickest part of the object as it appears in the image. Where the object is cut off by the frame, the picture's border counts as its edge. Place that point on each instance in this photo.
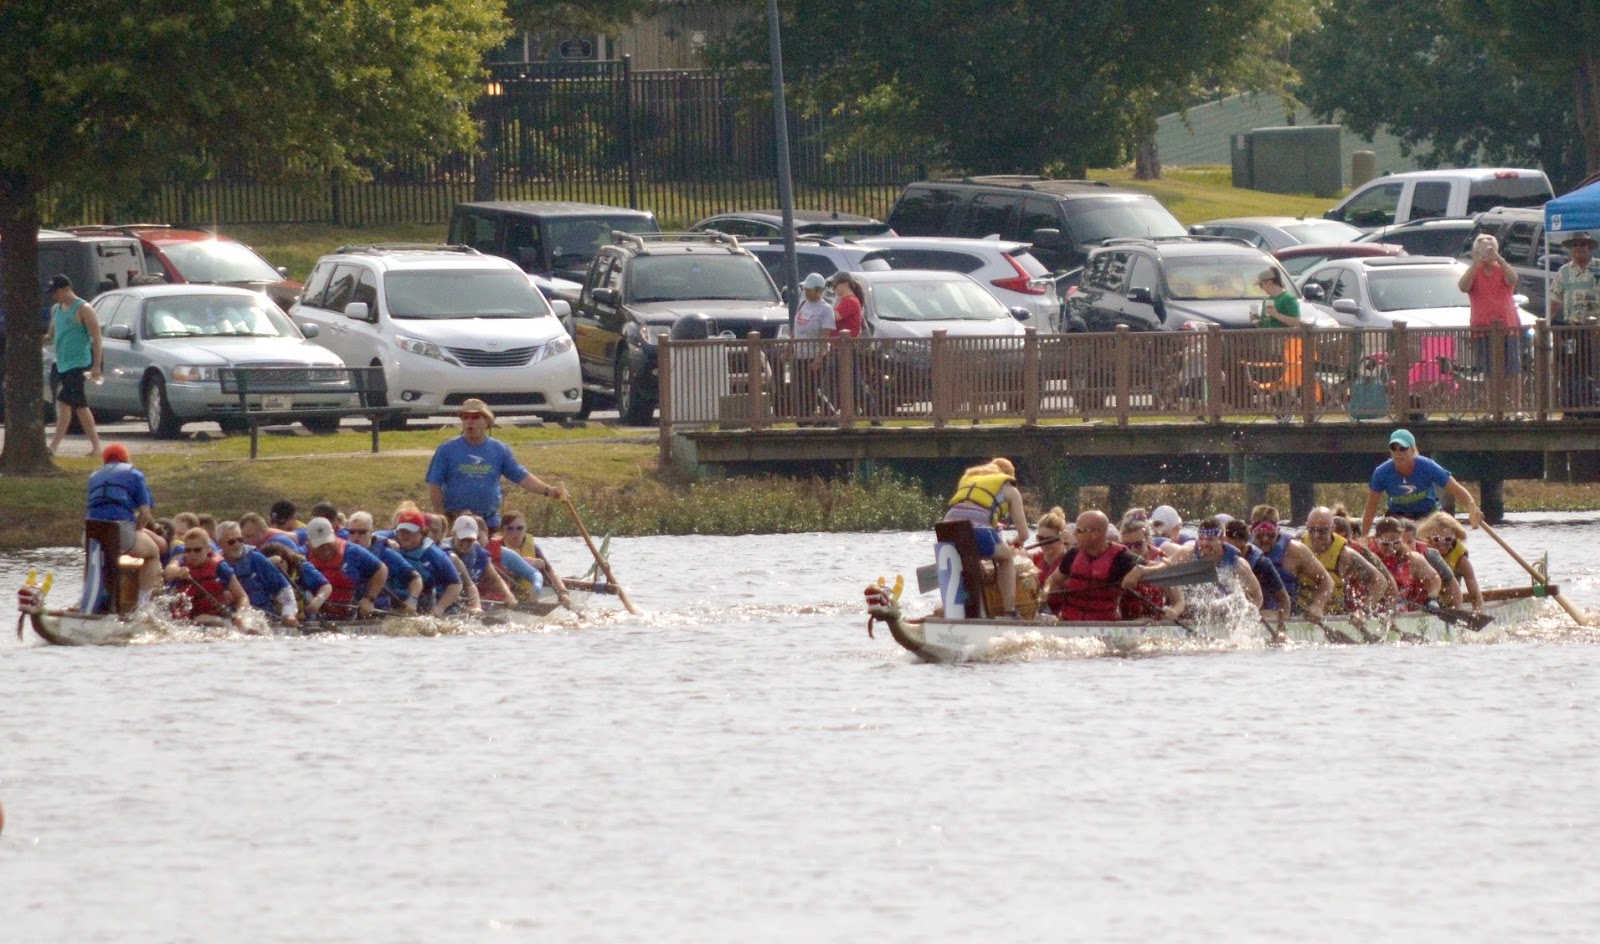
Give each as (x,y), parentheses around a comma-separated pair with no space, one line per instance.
(319,531)
(465,527)
(1165,518)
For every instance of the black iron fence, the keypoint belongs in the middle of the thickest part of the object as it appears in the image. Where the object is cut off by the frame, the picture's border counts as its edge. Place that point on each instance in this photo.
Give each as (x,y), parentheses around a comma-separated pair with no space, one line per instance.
(684,143)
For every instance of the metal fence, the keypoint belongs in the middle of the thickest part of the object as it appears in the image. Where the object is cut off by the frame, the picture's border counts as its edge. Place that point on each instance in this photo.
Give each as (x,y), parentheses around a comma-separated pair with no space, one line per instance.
(1402,374)
(684,143)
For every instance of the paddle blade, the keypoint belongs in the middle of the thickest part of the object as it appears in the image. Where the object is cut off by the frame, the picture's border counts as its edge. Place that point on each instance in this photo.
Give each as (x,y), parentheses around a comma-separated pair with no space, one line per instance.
(927,578)
(1467,618)
(1183,575)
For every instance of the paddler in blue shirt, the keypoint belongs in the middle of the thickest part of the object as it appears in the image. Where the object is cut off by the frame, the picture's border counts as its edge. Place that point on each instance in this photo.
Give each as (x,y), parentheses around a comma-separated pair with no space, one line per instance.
(118,492)
(441,582)
(465,473)
(1412,483)
(405,584)
(266,586)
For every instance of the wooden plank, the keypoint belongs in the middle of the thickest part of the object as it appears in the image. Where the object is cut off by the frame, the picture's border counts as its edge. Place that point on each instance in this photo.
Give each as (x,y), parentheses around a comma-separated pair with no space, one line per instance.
(959,533)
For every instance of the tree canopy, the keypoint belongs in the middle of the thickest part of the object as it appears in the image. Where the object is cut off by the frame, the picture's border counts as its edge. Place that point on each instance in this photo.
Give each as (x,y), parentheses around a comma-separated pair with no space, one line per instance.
(106,98)
(1459,83)
(1027,86)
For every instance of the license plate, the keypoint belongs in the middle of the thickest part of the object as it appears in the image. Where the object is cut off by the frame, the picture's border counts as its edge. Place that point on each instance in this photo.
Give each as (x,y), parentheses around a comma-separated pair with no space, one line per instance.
(277,404)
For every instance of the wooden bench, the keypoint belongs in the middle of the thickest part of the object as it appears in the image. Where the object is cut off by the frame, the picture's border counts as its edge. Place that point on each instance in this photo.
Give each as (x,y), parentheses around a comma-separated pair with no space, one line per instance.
(266,395)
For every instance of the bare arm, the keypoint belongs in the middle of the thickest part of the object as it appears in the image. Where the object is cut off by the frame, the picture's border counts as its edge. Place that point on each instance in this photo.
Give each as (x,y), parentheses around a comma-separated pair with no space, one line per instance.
(91,323)
(1247,580)
(1019,517)
(1474,513)
(534,484)
(1370,513)
(1465,282)
(1468,574)
(375,585)
(1509,273)
(241,600)
(1430,577)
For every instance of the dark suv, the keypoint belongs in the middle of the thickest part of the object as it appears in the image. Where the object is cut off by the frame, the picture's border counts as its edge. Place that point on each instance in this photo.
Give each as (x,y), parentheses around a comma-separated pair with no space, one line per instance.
(1062,219)
(552,238)
(1161,284)
(639,287)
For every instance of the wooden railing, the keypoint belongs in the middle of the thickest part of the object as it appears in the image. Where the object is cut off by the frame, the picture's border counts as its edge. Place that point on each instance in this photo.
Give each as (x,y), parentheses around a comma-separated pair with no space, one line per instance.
(1404,374)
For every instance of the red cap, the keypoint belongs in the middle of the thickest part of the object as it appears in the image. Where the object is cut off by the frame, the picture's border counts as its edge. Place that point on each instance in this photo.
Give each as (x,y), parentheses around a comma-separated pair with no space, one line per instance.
(116,452)
(416,519)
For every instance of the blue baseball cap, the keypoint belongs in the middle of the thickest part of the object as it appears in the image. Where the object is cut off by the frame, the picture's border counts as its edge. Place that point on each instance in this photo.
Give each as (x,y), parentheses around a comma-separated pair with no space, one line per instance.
(1404,438)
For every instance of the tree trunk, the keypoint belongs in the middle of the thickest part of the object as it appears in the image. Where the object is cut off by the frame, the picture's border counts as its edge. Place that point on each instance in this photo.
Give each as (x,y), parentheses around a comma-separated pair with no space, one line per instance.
(1146,160)
(24,452)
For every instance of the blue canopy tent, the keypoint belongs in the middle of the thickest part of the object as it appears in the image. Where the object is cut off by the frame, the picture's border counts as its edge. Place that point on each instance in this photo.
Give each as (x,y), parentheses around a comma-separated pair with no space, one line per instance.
(1576,212)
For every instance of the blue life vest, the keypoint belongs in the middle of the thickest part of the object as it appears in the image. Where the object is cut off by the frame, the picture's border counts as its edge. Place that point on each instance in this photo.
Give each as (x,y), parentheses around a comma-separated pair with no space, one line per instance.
(1275,556)
(115,492)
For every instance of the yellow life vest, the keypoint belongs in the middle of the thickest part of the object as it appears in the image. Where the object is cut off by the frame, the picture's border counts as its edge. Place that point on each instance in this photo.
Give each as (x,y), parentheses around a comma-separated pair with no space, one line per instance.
(983,489)
(1454,557)
(1330,560)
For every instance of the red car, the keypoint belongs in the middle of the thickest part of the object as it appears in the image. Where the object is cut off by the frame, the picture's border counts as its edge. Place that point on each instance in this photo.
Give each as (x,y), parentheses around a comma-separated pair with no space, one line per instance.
(196,255)
(1298,260)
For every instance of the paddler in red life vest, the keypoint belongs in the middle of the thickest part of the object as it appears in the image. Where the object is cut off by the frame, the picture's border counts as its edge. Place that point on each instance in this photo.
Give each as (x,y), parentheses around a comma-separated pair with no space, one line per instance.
(1136,538)
(1416,580)
(1445,534)
(985,496)
(356,575)
(206,583)
(1096,575)
(1049,544)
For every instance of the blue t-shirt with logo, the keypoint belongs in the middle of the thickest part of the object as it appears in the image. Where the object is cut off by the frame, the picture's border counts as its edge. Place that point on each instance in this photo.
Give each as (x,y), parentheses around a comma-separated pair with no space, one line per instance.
(1411,495)
(470,475)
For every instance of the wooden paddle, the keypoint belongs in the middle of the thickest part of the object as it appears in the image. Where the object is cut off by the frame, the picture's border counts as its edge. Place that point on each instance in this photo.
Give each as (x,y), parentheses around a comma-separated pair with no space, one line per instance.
(605,567)
(1540,579)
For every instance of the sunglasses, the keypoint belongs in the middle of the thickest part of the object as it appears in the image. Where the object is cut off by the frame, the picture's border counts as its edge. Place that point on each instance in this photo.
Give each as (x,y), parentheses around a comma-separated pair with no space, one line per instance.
(359,530)
(1327,530)
(1391,544)
(470,416)
(1396,447)
(197,550)
(1136,545)
(1443,539)
(232,541)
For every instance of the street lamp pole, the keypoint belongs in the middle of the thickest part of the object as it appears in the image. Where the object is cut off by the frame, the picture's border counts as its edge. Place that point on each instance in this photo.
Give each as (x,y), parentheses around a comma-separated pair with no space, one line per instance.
(780,118)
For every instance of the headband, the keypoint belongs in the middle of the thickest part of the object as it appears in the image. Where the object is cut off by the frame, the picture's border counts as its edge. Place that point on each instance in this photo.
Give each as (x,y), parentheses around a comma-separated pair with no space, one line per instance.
(1209,532)
(1264,525)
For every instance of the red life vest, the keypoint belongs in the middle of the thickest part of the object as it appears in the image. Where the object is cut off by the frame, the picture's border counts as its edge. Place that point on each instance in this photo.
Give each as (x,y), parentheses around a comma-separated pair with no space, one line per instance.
(344,585)
(1150,600)
(1412,590)
(207,595)
(1090,593)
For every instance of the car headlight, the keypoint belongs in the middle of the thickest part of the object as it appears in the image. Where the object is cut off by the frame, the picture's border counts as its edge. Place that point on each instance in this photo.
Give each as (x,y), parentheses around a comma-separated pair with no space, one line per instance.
(555,348)
(422,348)
(192,373)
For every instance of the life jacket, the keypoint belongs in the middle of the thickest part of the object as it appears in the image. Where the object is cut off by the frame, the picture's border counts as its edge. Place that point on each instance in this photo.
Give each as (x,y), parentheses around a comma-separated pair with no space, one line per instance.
(1411,589)
(1148,600)
(983,489)
(344,585)
(112,491)
(1091,596)
(496,548)
(419,558)
(1329,559)
(1276,557)
(205,590)
(1454,557)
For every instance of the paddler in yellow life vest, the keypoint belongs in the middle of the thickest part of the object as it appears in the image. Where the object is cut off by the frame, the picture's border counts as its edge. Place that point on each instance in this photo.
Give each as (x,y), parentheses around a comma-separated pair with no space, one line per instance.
(1357,584)
(986,495)
(1444,533)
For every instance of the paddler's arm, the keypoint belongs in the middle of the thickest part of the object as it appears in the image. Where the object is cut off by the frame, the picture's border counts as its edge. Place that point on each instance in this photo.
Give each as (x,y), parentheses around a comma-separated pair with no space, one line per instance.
(375,585)
(1247,580)
(1471,577)
(1474,513)
(447,599)
(468,588)
(1175,603)
(1324,592)
(241,600)
(175,570)
(500,586)
(318,599)
(1370,513)
(534,484)
(1430,577)
(1019,516)
(414,589)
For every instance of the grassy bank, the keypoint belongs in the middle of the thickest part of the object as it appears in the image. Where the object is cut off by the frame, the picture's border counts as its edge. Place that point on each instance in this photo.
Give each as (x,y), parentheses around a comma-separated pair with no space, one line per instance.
(613,483)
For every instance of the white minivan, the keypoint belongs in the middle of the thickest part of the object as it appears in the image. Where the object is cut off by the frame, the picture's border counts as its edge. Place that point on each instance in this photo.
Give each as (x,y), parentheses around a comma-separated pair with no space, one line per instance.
(447,324)
(1437,194)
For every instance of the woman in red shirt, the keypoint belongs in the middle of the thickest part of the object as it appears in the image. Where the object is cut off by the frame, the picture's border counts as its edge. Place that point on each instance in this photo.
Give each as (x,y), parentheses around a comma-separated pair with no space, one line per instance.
(1488,283)
(847,310)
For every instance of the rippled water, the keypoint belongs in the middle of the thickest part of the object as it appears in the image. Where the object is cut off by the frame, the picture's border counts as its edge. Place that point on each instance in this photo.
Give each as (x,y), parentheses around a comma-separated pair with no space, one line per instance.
(743,763)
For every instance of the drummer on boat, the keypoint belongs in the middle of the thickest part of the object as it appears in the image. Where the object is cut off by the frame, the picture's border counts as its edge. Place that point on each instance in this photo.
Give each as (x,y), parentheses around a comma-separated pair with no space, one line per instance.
(986,495)
(1096,576)
(1412,484)
(465,473)
(118,492)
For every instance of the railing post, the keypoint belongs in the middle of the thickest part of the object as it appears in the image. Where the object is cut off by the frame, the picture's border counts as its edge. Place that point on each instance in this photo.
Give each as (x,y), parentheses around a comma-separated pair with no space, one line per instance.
(1030,377)
(1497,371)
(1543,372)
(755,374)
(664,387)
(937,355)
(1400,372)
(1123,352)
(1308,374)
(1211,339)
(847,381)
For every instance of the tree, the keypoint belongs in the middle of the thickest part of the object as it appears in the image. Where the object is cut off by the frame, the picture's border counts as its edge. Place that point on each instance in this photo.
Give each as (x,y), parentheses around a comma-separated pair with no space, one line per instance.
(559,16)
(1411,69)
(104,99)
(1013,86)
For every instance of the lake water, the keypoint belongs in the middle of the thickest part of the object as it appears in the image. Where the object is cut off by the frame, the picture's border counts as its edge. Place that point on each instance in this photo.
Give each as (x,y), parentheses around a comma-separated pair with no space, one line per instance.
(744,764)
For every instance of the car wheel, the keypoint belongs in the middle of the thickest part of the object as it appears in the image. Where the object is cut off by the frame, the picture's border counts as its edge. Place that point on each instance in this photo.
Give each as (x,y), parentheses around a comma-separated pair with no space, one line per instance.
(586,406)
(234,425)
(631,404)
(322,425)
(158,414)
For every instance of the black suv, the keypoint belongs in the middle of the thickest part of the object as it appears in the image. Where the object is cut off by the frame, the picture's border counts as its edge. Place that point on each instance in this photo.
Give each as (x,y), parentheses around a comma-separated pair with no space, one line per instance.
(641,286)
(552,238)
(1161,284)
(1062,219)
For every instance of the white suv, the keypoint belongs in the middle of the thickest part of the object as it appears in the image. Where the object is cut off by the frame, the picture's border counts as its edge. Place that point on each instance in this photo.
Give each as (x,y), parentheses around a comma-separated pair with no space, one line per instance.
(1007,269)
(446,324)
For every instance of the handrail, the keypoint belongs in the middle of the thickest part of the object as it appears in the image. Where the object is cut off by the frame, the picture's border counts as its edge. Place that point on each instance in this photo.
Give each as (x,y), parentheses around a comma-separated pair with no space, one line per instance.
(1402,374)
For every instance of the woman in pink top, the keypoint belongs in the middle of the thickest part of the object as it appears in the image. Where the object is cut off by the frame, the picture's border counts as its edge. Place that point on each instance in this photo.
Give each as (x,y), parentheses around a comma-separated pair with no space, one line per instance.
(1488,283)
(847,310)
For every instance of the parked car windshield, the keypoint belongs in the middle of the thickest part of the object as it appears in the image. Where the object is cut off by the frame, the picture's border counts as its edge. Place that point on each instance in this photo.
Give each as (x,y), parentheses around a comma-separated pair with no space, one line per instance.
(685,278)
(935,300)
(212,260)
(1209,277)
(462,293)
(1095,220)
(574,242)
(1401,289)
(184,316)
(1321,231)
